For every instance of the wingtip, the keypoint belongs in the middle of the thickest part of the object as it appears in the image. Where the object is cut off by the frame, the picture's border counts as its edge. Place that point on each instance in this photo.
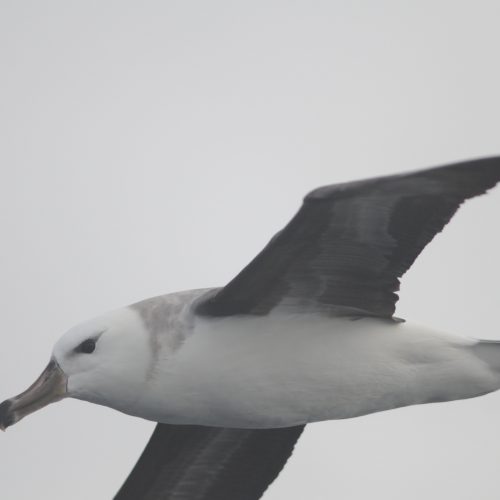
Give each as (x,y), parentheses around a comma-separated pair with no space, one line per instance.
(483,172)
(5,415)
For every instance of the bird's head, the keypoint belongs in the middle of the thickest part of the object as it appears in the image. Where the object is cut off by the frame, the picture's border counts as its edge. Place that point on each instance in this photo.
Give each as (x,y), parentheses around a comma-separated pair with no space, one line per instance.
(103,360)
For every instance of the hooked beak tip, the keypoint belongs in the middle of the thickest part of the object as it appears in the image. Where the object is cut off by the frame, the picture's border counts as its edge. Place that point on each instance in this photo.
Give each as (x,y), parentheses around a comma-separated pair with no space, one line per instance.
(50,387)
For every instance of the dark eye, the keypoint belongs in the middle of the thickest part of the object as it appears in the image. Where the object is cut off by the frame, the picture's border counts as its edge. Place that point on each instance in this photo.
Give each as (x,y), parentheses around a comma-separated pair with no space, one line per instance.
(86,347)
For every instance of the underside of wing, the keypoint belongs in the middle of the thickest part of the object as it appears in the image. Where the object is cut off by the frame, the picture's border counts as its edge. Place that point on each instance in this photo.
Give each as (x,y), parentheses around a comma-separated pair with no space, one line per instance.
(186,462)
(345,250)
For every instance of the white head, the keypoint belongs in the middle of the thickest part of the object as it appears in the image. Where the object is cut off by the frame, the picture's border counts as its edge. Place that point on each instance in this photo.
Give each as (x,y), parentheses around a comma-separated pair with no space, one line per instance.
(104,360)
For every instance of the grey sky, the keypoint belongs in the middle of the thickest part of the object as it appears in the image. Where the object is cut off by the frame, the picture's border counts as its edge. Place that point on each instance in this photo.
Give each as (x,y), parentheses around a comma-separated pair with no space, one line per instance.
(154,146)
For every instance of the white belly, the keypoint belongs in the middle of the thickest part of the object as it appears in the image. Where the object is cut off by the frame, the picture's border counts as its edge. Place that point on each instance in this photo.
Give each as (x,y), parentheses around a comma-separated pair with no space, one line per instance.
(283,371)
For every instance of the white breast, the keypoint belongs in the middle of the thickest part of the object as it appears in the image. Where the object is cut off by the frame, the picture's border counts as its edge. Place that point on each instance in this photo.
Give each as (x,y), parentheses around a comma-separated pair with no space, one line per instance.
(287,370)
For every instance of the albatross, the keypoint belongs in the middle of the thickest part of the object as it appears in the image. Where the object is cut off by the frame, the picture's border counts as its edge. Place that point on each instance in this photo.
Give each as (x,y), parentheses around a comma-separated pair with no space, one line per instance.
(305,333)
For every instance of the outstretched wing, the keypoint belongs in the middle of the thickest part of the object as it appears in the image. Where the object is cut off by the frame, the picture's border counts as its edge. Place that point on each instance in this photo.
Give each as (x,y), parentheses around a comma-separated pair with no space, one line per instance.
(187,462)
(345,250)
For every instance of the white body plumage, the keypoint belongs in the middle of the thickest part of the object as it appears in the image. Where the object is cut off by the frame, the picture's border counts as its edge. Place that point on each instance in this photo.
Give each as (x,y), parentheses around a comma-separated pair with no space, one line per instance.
(272,371)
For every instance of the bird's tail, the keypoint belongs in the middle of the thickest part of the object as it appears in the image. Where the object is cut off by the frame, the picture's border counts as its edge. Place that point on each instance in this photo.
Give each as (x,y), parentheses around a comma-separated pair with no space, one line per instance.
(489,352)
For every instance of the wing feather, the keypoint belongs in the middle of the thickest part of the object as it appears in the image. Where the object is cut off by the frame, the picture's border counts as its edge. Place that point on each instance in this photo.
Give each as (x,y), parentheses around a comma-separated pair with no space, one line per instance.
(186,462)
(345,250)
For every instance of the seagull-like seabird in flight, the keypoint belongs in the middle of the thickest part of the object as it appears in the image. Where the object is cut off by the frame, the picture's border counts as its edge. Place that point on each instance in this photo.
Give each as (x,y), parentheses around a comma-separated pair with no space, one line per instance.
(306,332)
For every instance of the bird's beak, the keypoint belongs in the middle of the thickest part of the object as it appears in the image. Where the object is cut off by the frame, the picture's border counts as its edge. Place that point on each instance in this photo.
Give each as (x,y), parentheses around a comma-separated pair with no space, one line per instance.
(48,388)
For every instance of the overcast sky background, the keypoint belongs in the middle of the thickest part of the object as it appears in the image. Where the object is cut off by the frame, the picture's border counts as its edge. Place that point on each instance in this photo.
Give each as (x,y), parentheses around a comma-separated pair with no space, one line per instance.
(153,146)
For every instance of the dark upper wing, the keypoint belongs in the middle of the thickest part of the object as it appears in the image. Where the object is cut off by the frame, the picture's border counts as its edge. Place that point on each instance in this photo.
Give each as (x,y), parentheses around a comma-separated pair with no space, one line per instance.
(187,462)
(347,247)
